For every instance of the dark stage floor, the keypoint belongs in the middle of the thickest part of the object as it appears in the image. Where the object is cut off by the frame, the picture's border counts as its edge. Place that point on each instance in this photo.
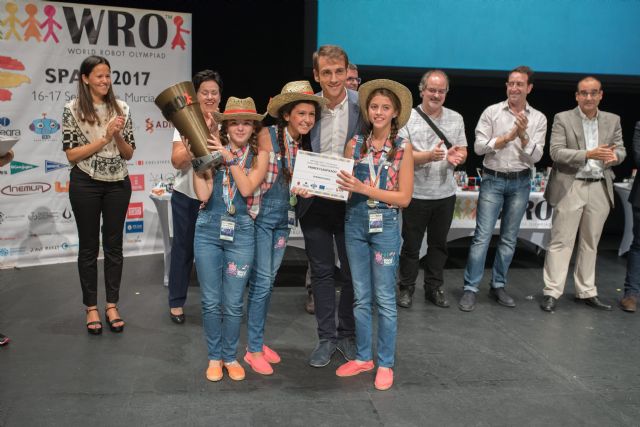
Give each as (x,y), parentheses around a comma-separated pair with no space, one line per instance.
(494,366)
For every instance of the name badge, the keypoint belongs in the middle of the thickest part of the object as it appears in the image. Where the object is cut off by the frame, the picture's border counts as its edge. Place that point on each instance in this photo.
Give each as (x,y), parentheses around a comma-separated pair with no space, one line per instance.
(375,223)
(291,218)
(227,229)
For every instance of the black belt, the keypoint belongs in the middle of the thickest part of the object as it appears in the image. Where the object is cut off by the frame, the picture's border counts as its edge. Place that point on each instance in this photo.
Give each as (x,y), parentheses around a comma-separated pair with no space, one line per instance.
(507,175)
(590,179)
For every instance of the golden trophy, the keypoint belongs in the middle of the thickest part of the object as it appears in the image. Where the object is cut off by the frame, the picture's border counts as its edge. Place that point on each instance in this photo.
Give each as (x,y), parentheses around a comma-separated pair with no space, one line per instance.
(180,106)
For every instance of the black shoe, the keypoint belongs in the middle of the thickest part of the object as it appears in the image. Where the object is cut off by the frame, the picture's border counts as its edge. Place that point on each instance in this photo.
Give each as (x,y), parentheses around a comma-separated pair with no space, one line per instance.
(347,346)
(468,301)
(404,298)
(321,355)
(97,330)
(548,303)
(309,305)
(594,302)
(113,328)
(503,298)
(4,340)
(436,296)
(177,318)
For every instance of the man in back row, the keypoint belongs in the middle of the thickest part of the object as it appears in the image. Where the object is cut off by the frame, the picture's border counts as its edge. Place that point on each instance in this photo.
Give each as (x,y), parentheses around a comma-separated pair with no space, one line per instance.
(437,136)
(510,134)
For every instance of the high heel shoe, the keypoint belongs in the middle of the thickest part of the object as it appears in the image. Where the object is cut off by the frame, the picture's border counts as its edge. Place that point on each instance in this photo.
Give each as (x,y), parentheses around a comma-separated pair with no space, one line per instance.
(97,330)
(115,329)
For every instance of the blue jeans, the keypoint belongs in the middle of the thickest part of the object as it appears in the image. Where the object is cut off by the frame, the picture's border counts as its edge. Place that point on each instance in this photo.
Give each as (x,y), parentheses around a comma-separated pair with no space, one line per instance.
(632,280)
(223,270)
(272,233)
(373,258)
(510,196)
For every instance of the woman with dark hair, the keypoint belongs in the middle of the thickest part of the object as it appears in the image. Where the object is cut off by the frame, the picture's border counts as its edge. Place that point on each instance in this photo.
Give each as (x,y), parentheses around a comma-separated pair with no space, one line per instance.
(382,182)
(184,202)
(296,109)
(98,140)
(224,239)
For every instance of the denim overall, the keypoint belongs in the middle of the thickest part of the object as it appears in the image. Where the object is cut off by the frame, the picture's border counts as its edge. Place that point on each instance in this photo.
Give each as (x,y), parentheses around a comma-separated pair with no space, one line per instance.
(223,269)
(272,233)
(373,276)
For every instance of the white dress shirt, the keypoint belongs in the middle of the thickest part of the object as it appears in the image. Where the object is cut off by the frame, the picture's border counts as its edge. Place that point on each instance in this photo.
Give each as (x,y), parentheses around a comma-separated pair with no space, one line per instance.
(593,168)
(334,125)
(497,120)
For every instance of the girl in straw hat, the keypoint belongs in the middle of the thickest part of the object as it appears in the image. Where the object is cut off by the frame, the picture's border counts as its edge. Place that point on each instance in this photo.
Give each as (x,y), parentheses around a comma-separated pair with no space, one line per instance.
(295,109)
(224,237)
(381,183)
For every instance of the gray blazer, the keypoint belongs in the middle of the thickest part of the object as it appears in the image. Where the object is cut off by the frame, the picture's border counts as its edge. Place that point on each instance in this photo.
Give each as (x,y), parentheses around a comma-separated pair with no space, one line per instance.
(634,197)
(569,152)
(354,125)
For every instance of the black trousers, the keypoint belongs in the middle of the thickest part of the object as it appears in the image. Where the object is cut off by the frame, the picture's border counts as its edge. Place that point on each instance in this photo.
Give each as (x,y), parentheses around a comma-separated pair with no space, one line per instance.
(185,213)
(321,224)
(435,217)
(91,200)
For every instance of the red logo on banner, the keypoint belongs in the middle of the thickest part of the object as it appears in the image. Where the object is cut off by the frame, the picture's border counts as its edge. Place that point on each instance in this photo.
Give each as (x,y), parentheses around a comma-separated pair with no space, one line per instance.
(62,188)
(137,182)
(135,210)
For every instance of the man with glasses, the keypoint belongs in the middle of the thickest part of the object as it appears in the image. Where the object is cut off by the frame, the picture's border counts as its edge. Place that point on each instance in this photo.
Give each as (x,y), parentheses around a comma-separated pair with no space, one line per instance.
(353,81)
(322,220)
(585,143)
(434,188)
(510,135)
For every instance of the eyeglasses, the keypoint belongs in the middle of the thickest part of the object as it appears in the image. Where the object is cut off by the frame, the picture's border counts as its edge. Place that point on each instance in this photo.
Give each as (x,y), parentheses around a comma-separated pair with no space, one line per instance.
(354,79)
(592,93)
(433,91)
(206,94)
(518,84)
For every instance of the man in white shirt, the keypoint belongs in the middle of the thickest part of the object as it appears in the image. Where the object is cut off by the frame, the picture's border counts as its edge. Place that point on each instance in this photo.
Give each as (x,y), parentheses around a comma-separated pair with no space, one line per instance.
(585,143)
(510,135)
(434,189)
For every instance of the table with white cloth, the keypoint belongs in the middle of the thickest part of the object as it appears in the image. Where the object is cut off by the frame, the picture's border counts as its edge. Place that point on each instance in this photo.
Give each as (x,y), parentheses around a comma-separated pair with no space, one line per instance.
(624,189)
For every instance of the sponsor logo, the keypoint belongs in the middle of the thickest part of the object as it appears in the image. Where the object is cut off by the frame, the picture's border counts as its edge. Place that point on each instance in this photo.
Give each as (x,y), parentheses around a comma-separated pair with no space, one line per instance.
(152,125)
(8,218)
(65,246)
(10,79)
(17,167)
(137,182)
(45,215)
(152,162)
(61,188)
(135,211)
(44,127)
(5,252)
(50,166)
(4,121)
(133,227)
(26,189)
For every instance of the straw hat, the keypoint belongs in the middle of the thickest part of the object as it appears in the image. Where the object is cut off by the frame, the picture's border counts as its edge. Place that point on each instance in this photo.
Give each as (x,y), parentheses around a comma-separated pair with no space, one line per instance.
(291,92)
(400,90)
(239,109)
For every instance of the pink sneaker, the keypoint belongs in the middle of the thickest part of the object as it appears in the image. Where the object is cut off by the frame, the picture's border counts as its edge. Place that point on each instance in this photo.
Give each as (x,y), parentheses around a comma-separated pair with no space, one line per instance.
(353,367)
(258,363)
(384,378)
(270,355)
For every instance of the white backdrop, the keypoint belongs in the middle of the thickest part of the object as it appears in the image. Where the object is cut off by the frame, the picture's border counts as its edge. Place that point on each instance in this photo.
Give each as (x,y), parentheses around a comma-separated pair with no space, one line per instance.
(41,47)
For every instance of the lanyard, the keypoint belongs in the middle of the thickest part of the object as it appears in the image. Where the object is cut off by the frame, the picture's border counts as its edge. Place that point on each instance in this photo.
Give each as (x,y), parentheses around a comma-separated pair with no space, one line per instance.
(291,151)
(373,176)
(229,190)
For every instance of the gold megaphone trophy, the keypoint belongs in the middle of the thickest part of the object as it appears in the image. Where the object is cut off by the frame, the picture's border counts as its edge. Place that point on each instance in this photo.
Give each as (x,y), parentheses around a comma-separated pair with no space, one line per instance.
(179,105)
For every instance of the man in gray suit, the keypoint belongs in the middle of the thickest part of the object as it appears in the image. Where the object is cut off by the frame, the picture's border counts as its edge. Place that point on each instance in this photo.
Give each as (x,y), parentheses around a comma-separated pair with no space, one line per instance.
(322,220)
(585,143)
(632,281)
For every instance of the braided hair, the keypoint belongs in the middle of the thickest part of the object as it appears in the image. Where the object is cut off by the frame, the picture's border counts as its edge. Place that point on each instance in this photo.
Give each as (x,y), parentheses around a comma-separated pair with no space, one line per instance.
(368,127)
(252,142)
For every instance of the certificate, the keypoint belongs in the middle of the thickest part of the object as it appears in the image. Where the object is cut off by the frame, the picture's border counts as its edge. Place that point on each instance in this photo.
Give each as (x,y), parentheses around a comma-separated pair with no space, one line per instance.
(318,173)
